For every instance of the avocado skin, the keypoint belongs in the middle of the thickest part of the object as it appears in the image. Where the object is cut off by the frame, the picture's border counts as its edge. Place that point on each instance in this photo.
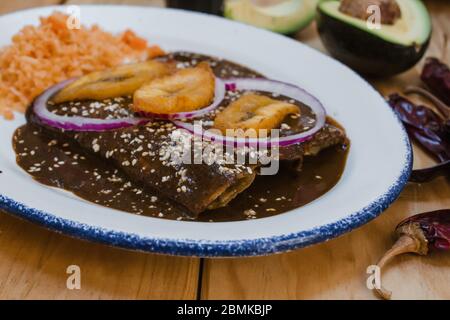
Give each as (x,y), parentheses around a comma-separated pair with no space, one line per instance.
(364,52)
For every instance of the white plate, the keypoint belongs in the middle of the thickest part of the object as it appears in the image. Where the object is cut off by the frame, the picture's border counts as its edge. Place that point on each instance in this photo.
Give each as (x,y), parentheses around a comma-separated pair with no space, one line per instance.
(378,165)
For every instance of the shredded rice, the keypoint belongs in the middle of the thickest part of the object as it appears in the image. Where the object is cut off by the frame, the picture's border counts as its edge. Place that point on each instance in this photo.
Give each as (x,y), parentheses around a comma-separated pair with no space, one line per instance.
(42,56)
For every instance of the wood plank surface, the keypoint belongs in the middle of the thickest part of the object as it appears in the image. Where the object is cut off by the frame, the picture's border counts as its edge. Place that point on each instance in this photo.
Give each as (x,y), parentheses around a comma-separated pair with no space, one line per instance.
(154,3)
(9,6)
(337,269)
(34,262)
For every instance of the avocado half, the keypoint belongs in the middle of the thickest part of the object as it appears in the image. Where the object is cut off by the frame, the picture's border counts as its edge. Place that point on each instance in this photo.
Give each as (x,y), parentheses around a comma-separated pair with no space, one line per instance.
(286,17)
(387,51)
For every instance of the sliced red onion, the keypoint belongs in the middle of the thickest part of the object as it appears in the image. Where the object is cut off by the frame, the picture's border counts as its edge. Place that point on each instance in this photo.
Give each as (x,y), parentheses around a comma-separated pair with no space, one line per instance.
(219,95)
(77,123)
(274,87)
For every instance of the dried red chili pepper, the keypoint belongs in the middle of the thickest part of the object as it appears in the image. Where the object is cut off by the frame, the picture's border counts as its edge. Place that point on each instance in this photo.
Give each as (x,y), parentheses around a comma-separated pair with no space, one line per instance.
(436,75)
(428,174)
(430,130)
(419,234)
(441,106)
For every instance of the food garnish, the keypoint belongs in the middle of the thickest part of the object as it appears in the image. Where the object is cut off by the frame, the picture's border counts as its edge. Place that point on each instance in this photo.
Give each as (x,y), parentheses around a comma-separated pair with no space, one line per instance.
(119,81)
(277,88)
(219,95)
(187,90)
(267,117)
(436,75)
(419,234)
(254,111)
(42,56)
(77,123)
(430,130)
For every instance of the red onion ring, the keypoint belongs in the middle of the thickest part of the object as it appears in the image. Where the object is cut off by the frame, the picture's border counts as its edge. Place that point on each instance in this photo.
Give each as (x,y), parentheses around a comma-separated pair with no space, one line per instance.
(271,86)
(77,123)
(219,95)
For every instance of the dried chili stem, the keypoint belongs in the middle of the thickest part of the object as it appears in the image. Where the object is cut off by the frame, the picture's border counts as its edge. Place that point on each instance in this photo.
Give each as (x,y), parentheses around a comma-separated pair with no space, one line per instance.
(405,244)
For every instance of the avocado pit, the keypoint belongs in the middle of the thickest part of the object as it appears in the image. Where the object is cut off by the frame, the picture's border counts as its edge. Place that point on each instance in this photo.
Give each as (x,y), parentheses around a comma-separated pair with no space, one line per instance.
(390,10)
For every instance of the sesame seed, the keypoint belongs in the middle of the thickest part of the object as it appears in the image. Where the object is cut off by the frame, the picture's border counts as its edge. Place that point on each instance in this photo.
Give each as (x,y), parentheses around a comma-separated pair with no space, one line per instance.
(250,212)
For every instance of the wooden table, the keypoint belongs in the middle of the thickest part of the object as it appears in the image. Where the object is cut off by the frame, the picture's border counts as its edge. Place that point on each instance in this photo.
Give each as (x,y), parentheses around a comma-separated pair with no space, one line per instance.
(33,260)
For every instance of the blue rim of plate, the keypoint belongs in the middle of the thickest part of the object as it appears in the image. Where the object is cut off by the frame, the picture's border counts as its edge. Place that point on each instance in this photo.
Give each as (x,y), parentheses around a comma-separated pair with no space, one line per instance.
(203,248)
(230,248)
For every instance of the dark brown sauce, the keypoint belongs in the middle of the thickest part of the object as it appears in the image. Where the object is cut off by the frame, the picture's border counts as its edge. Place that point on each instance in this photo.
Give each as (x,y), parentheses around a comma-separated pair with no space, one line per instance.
(63,164)
(287,190)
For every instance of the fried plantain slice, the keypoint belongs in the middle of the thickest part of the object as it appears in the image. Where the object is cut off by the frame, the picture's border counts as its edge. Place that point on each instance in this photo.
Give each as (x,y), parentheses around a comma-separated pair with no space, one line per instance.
(187,90)
(116,82)
(254,111)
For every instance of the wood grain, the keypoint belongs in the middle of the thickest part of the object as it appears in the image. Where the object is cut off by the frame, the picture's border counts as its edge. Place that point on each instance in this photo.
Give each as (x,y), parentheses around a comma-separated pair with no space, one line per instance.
(9,6)
(154,3)
(33,264)
(337,269)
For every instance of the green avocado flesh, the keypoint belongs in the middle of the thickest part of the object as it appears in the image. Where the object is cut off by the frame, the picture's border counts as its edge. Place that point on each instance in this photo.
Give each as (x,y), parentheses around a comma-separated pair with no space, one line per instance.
(286,17)
(413,28)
